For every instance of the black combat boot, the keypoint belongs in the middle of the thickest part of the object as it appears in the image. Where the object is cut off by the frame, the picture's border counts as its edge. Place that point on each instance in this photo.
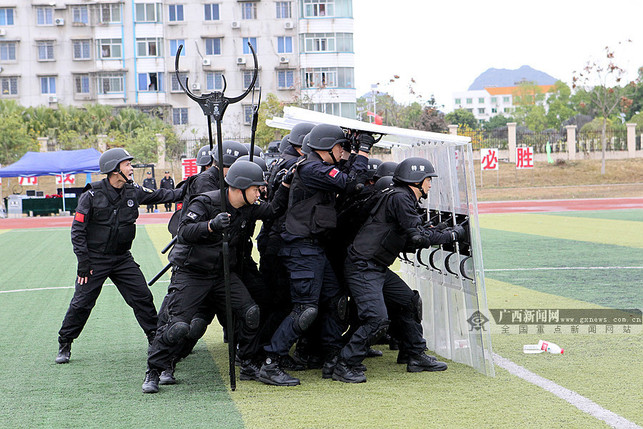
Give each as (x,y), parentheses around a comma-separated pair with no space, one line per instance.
(271,373)
(151,382)
(329,367)
(347,374)
(64,352)
(249,370)
(290,364)
(423,362)
(374,353)
(167,376)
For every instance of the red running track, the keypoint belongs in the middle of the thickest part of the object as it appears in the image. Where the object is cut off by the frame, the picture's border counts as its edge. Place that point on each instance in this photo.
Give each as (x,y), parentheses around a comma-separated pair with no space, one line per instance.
(525,206)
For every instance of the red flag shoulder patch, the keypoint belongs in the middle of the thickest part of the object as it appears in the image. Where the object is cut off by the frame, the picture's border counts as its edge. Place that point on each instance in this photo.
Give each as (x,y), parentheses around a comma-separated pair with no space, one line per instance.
(79,217)
(334,172)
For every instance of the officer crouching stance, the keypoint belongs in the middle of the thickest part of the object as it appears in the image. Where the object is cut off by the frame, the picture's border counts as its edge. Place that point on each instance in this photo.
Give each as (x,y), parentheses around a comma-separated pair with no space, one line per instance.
(197,260)
(311,214)
(102,233)
(393,226)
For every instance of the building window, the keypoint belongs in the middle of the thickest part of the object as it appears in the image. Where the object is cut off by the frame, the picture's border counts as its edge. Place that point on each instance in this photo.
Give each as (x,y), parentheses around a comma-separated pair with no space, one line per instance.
(111,83)
(81,84)
(110,48)
(506,99)
(150,82)
(45,50)
(494,110)
(323,77)
(47,85)
(284,9)
(176,12)
(507,110)
(469,100)
(174,82)
(313,8)
(319,42)
(458,101)
(481,111)
(45,15)
(110,13)
(494,99)
(180,116)
(211,12)
(248,10)
(8,51)
(344,42)
(147,12)
(247,114)
(480,100)
(80,15)
(149,47)
(9,86)
(469,110)
(285,79)
(174,47)
(213,46)
(284,45)
(247,79)
(214,81)
(251,40)
(81,49)
(6,15)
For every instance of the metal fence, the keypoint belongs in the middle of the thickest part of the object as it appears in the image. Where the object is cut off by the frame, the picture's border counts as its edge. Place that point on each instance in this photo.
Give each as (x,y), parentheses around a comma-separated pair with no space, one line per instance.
(590,141)
(487,139)
(556,140)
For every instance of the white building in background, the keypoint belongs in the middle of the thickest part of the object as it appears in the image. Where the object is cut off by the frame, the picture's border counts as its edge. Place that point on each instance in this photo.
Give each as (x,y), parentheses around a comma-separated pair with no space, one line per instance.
(121,53)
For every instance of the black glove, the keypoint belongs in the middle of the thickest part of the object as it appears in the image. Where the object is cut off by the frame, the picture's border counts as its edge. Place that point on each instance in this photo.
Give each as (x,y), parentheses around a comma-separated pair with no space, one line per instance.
(346,144)
(290,174)
(458,233)
(84,270)
(366,141)
(441,226)
(220,221)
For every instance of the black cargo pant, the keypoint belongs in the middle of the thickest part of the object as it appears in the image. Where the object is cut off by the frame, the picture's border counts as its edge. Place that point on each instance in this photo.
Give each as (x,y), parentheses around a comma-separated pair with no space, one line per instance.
(130,282)
(186,294)
(374,287)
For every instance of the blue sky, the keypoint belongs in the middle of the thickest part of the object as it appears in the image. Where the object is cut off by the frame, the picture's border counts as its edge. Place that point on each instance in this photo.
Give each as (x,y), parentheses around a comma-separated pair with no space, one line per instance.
(445,45)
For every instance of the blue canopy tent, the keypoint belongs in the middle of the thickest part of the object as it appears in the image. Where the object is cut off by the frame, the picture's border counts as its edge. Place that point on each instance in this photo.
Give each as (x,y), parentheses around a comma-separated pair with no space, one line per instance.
(84,161)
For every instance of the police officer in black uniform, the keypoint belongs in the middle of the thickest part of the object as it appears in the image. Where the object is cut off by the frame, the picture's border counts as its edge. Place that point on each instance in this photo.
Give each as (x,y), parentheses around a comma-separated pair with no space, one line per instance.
(393,225)
(150,183)
(311,213)
(102,233)
(197,271)
(167,183)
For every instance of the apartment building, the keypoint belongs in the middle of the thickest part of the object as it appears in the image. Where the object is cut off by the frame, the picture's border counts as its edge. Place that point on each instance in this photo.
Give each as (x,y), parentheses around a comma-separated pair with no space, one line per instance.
(122,53)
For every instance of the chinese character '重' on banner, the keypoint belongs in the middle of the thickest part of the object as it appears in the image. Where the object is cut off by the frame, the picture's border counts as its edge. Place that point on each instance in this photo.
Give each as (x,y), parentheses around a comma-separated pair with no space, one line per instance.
(189,167)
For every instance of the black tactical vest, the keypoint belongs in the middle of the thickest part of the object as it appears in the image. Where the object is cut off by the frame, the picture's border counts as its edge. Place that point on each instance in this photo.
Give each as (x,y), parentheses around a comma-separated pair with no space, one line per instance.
(311,212)
(112,225)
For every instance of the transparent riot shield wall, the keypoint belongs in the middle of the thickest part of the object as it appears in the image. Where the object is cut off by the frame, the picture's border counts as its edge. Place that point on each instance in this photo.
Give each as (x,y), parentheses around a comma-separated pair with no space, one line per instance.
(450,278)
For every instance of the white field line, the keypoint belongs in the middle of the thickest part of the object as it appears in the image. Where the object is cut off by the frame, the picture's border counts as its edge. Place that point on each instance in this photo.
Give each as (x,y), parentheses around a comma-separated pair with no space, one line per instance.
(60,287)
(582,403)
(561,268)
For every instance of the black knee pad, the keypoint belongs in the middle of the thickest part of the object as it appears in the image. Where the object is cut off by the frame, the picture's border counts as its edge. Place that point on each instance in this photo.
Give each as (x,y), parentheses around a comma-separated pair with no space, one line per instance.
(304,315)
(378,329)
(416,306)
(198,327)
(339,307)
(176,332)
(252,317)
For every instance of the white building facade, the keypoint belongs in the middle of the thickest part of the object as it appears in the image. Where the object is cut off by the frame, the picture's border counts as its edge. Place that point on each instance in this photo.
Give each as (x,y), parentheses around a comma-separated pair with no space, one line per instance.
(122,53)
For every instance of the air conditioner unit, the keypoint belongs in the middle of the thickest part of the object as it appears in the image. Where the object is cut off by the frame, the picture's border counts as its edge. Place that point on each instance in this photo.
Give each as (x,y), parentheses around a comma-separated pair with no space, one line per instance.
(53,99)
(3,32)
(283,60)
(59,21)
(288,25)
(196,87)
(206,62)
(236,24)
(241,60)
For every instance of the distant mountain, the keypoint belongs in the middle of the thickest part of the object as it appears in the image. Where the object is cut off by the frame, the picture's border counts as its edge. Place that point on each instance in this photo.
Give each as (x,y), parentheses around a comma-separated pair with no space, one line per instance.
(506,77)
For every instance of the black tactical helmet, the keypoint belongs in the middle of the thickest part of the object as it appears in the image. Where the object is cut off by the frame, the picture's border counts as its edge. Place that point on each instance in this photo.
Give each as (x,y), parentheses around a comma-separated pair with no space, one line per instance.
(231,151)
(413,170)
(257,160)
(383,183)
(111,159)
(325,136)
(385,169)
(373,163)
(284,144)
(304,145)
(257,150)
(203,157)
(298,132)
(244,174)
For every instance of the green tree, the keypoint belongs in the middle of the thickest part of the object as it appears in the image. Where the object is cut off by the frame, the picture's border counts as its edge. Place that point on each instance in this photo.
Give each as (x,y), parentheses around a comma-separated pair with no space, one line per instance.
(462,117)
(497,121)
(559,105)
(432,120)
(270,107)
(15,139)
(535,118)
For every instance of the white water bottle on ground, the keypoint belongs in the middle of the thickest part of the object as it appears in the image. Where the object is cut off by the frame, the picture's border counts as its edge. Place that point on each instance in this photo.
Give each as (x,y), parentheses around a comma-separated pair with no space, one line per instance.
(550,347)
(532,348)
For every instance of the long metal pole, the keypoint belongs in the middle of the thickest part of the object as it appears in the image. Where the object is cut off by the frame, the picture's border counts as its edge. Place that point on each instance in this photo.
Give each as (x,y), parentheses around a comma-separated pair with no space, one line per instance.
(225,254)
